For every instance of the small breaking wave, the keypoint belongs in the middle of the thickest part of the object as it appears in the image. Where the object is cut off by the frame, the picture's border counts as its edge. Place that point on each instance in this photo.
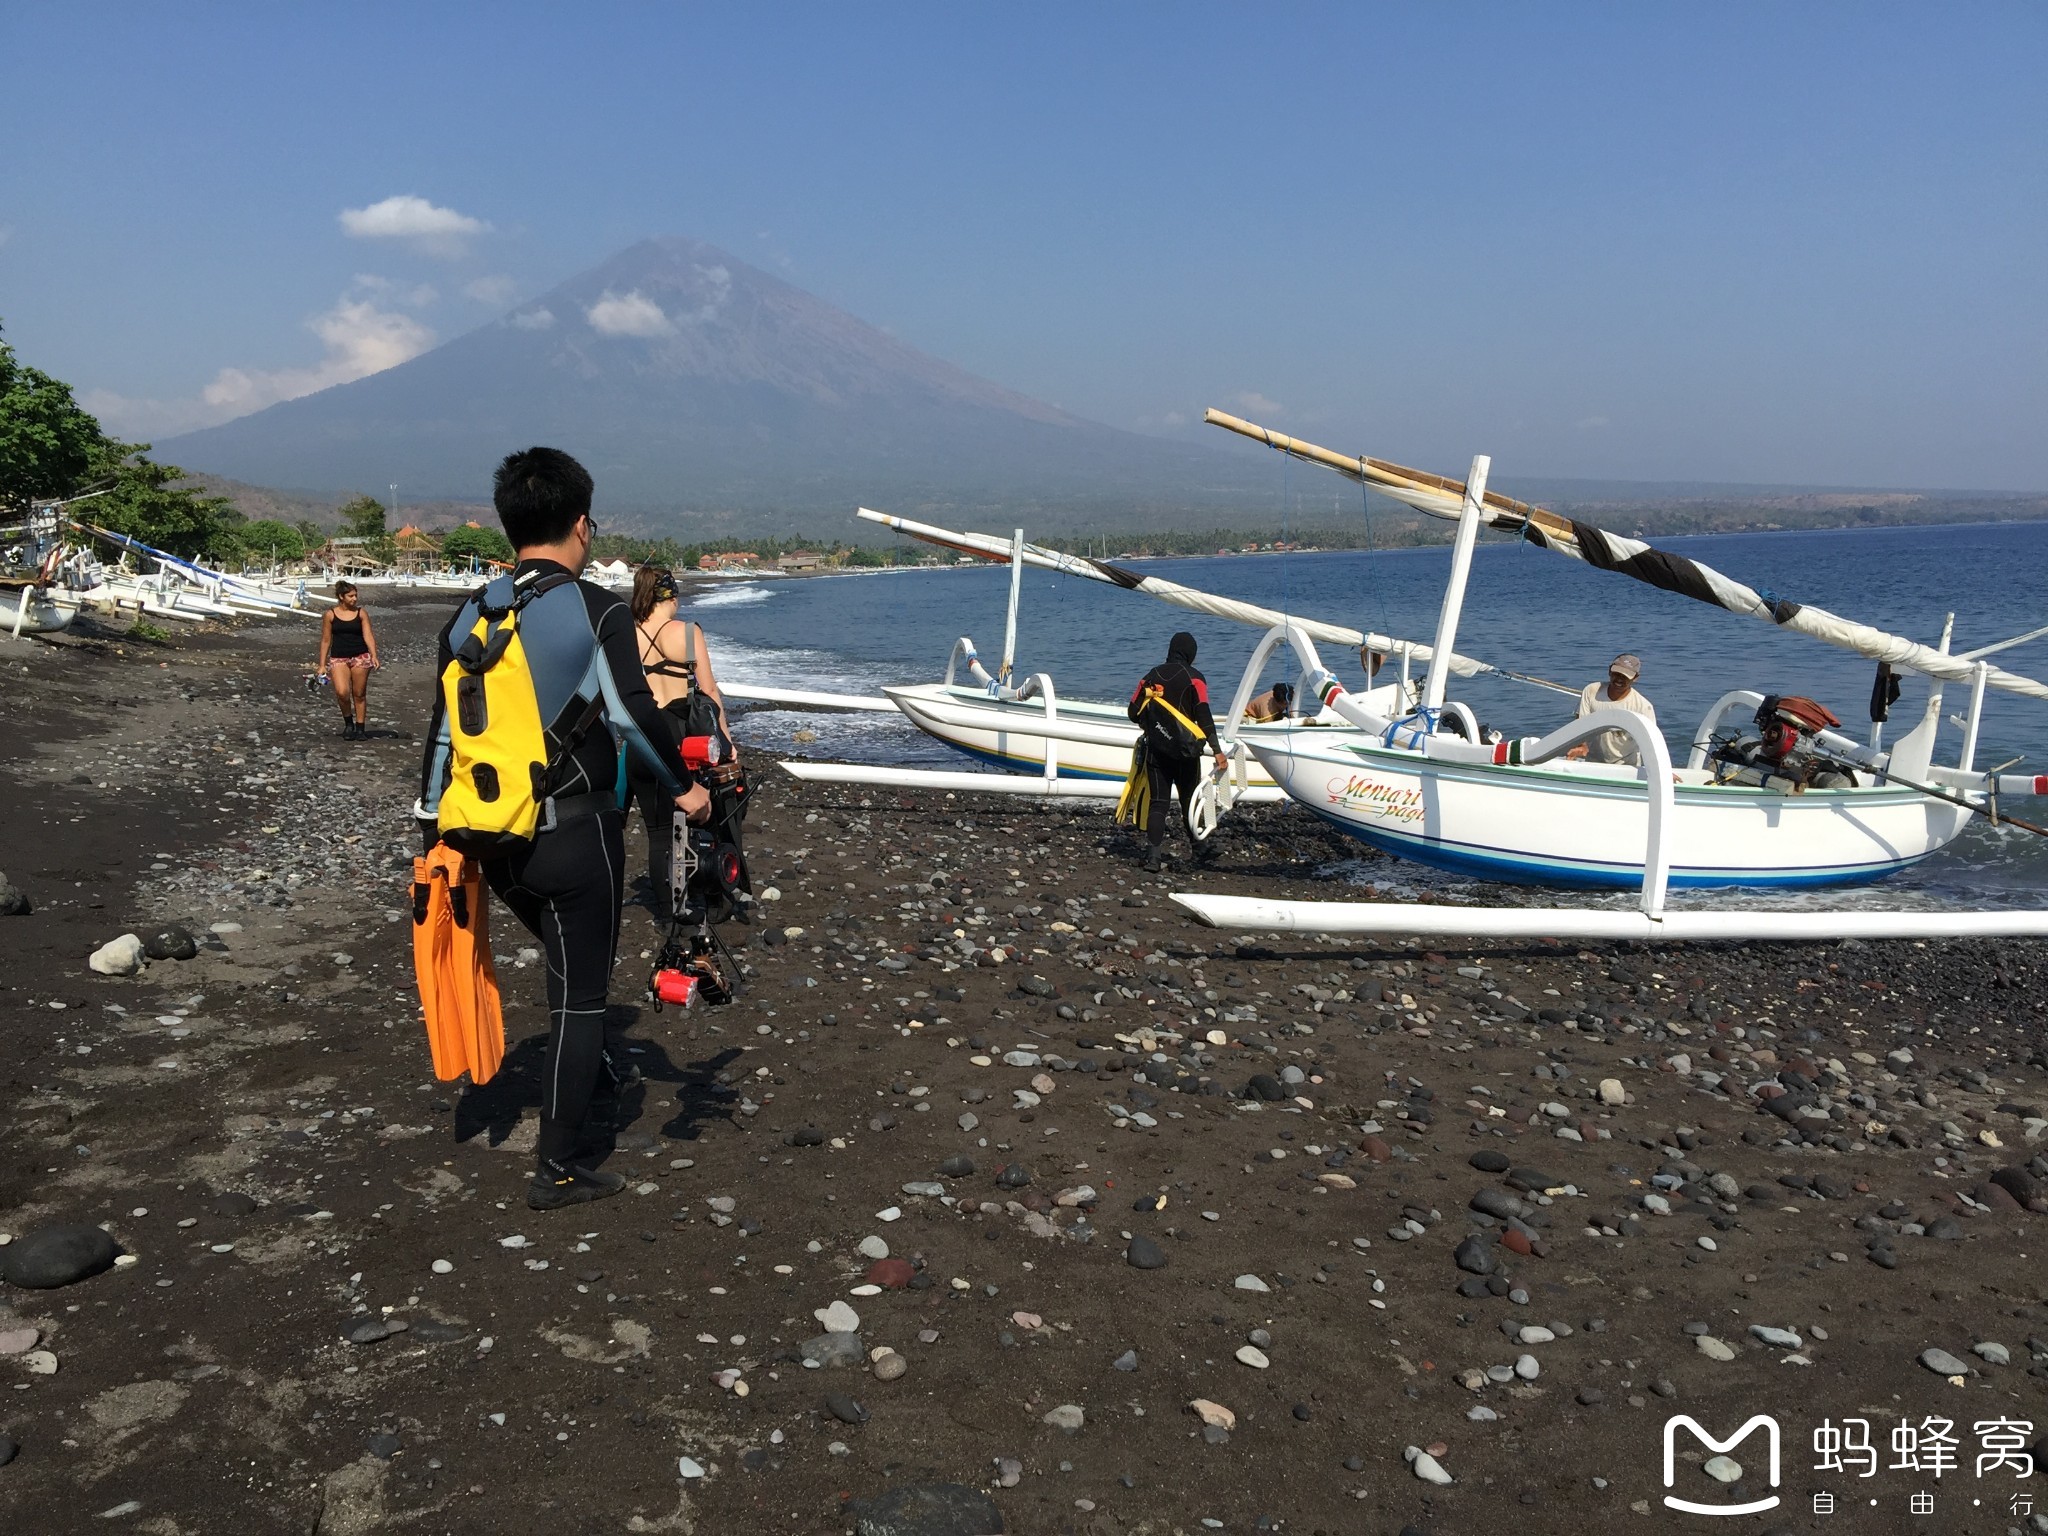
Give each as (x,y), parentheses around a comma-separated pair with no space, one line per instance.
(732,597)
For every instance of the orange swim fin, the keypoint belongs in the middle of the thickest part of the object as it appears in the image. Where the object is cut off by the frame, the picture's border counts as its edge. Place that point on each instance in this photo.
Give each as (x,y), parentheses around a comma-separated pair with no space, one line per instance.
(452,964)
(475,974)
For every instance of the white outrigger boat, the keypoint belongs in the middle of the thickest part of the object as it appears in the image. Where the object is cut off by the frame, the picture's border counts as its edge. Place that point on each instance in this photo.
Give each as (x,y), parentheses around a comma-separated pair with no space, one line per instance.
(1081,749)
(185,589)
(33,559)
(1409,783)
(28,609)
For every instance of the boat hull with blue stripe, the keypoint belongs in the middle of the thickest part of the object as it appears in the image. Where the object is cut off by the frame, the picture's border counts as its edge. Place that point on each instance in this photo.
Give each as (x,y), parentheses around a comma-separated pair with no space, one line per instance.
(1586,825)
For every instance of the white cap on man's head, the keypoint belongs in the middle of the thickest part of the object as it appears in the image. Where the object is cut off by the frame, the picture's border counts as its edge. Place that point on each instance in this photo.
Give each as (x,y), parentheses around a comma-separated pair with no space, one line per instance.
(1628,665)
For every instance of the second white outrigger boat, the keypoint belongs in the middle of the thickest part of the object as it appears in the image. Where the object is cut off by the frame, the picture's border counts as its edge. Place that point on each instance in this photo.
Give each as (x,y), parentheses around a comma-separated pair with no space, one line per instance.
(1796,804)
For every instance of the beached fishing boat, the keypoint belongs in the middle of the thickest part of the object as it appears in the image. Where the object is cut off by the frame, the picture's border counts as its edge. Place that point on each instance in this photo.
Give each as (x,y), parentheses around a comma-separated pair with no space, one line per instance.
(1771,794)
(186,589)
(32,556)
(33,610)
(1050,745)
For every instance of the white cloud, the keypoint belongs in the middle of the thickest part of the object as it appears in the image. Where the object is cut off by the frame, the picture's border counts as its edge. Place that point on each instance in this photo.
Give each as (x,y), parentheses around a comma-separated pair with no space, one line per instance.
(628,314)
(1174,419)
(495,289)
(1593,423)
(360,339)
(437,231)
(1251,400)
(534,319)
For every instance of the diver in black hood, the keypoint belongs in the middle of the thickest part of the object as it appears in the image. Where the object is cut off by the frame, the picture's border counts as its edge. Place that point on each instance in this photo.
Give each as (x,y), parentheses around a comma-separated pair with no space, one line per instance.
(1171,706)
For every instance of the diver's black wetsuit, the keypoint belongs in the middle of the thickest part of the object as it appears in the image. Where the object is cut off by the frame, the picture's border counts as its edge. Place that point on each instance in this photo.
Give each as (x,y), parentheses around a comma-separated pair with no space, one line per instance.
(1173,753)
(566,888)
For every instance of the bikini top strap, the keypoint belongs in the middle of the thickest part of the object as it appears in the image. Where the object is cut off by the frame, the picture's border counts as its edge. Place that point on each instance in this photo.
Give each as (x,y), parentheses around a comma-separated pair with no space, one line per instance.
(660,665)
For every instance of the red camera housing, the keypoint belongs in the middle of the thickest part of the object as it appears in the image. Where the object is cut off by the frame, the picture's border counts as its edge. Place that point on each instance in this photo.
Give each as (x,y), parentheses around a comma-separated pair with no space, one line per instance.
(676,988)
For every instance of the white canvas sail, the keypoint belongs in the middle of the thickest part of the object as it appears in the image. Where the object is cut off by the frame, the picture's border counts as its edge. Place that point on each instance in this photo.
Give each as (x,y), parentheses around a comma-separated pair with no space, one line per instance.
(1437,496)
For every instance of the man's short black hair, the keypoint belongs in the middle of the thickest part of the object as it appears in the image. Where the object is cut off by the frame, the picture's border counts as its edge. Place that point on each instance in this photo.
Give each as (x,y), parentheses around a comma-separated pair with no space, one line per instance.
(539,494)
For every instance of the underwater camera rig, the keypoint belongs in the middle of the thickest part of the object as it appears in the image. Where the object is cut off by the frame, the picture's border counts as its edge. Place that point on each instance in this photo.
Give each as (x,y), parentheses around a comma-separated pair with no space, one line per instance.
(708,882)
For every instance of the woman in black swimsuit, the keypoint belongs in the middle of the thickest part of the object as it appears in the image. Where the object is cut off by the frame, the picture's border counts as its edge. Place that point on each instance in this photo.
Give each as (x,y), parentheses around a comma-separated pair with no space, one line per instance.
(678,666)
(348,655)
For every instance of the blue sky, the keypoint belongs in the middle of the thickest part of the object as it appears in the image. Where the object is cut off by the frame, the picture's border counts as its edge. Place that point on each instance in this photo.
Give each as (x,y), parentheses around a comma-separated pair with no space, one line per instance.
(1751,243)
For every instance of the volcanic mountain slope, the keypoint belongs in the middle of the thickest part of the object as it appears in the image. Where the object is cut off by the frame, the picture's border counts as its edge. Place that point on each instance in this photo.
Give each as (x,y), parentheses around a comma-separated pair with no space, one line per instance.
(692,383)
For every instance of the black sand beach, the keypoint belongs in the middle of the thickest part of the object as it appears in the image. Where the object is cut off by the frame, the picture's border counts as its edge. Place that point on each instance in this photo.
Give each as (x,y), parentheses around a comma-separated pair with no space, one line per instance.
(1132,1164)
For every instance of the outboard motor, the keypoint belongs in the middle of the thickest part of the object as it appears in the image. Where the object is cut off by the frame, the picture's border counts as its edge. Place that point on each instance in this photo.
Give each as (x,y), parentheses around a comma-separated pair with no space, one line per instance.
(1785,749)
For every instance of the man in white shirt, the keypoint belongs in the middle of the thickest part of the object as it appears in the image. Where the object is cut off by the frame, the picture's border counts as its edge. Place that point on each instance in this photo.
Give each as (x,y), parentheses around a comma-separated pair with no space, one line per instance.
(1618,692)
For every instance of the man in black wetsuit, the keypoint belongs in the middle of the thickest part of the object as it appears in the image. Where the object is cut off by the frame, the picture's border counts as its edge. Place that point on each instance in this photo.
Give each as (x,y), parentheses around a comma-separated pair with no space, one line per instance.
(567,885)
(1171,707)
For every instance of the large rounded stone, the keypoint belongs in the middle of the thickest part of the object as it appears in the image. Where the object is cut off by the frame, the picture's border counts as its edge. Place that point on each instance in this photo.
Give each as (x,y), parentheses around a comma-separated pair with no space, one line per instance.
(170,943)
(118,957)
(892,1274)
(52,1256)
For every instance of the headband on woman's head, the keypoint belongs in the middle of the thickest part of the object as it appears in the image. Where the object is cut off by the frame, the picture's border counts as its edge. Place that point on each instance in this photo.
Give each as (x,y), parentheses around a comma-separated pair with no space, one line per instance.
(664,586)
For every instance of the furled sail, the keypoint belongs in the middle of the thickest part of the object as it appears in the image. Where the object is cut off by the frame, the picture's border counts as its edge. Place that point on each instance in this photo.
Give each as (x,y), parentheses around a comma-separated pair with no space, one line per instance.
(1438,496)
(987,547)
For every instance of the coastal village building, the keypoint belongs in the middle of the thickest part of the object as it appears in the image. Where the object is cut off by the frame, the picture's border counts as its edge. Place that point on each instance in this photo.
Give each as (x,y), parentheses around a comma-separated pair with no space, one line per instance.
(417,549)
(347,556)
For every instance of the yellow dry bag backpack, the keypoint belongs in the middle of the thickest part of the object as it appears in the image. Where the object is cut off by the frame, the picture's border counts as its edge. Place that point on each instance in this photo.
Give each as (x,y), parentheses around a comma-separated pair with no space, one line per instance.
(500,753)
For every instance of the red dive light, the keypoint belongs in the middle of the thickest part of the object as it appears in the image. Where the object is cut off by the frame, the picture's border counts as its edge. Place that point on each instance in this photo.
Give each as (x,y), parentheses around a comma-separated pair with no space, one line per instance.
(678,989)
(701,752)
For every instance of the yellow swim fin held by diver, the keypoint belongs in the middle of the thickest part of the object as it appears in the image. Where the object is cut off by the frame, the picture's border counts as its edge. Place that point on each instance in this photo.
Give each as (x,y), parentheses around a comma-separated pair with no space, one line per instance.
(451,956)
(1135,803)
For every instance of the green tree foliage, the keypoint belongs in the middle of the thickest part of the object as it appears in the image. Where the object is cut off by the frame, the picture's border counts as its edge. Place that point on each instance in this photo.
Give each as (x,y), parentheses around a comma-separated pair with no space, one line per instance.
(310,532)
(362,518)
(146,502)
(468,543)
(51,447)
(273,542)
(49,444)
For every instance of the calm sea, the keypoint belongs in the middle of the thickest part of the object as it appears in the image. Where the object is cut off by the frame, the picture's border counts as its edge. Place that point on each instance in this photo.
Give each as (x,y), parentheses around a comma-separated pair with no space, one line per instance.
(1526,609)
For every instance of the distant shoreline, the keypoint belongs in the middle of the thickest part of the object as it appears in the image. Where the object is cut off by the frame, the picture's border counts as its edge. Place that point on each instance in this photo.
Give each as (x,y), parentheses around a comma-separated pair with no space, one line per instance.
(695,581)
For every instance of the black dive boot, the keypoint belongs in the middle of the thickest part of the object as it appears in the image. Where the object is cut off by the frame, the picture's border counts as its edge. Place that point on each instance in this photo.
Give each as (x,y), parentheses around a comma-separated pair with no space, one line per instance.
(556,1184)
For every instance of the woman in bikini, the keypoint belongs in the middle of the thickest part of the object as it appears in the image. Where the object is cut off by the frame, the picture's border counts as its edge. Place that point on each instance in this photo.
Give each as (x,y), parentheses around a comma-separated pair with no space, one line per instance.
(348,655)
(678,665)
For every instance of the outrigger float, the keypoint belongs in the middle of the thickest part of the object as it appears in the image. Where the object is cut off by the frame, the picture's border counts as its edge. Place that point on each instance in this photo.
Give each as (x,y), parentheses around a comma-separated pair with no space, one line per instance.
(1789,803)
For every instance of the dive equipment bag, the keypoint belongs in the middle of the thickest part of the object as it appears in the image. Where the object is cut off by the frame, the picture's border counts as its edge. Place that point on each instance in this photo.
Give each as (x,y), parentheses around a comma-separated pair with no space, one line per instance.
(500,754)
(1171,728)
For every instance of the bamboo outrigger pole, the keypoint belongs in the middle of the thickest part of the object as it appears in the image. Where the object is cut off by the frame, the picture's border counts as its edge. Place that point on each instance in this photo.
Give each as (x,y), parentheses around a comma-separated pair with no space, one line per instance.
(1439,496)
